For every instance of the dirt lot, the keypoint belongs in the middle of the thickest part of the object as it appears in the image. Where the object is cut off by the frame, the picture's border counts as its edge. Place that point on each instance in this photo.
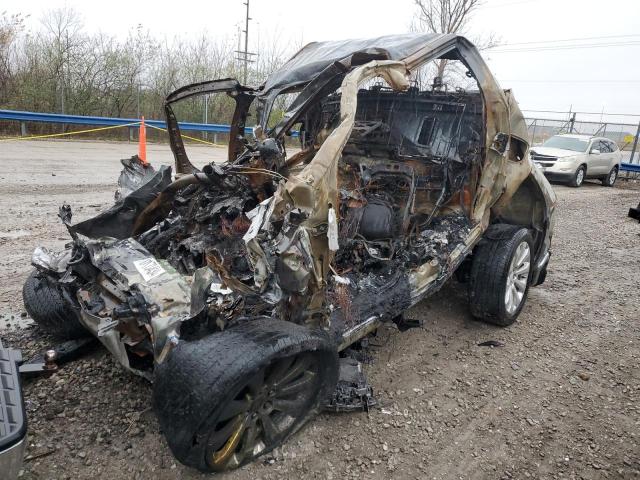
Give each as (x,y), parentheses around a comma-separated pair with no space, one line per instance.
(559,400)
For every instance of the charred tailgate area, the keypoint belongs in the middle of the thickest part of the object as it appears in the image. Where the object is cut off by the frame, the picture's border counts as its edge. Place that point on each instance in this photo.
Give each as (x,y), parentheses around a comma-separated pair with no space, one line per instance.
(267,272)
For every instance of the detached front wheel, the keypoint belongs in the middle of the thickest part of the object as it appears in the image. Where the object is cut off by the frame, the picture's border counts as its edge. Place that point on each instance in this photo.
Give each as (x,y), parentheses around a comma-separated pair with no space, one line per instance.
(229,398)
(500,274)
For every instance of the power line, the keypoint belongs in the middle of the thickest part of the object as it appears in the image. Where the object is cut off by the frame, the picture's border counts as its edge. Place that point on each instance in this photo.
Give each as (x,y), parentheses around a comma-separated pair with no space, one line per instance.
(570,81)
(566,40)
(584,113)
(567,47)
(507,4)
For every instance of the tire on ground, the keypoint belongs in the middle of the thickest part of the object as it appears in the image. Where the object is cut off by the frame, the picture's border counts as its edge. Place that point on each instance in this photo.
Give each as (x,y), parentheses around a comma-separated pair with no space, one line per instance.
(611,177)
(45,303)
(489,271)
(198,379)
(574,182)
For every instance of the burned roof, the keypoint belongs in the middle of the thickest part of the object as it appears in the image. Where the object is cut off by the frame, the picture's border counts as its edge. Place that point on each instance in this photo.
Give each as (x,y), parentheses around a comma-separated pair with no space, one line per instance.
(313,58)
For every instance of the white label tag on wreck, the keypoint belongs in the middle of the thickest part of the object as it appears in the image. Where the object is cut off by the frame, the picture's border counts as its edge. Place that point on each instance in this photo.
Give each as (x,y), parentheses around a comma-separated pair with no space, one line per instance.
(258,216)
(332,230)
(106,325)
(149,268)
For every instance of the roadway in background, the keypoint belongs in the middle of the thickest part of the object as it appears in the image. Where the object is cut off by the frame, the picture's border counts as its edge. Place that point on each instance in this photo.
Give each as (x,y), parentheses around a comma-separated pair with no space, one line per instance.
(60,162)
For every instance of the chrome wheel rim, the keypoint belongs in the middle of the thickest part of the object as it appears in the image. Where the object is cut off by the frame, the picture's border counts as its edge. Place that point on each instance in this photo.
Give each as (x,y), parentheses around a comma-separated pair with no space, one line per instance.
(517,277)
(612,176)
(263,412)
(580,177)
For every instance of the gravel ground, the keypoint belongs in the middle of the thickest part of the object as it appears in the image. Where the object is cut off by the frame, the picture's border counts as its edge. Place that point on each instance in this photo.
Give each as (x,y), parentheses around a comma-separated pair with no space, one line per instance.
(559,400)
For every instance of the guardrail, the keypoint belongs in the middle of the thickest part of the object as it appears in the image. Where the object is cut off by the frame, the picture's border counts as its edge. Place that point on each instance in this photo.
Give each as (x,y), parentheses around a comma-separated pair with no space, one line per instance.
(22,117)
(630,167)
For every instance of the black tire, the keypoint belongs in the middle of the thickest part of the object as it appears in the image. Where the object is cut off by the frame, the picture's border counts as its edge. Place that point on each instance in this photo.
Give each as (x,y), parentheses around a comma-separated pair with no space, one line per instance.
(204,381)
(610,179)
(490,274)
(45,303)
(578,177)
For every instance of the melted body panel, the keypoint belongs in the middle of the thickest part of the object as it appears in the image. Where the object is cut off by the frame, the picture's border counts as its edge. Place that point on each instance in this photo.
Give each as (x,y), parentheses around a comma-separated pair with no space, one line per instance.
(393,188)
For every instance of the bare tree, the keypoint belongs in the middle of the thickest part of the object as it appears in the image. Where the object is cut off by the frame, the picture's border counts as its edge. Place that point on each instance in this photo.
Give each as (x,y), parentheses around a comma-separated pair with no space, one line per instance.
(62,31)
(10,28)
(59,65)
(448,16)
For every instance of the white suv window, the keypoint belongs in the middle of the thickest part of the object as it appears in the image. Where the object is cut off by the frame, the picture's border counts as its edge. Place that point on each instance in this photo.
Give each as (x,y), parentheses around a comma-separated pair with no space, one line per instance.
(595,145)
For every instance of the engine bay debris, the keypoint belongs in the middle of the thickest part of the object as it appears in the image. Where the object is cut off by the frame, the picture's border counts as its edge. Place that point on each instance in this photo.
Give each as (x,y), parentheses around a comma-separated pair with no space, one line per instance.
(352,392)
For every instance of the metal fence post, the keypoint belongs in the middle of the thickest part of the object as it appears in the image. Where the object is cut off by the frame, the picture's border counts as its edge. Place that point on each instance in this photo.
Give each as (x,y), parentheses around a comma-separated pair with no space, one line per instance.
(635,144)
(572,122)
(23,129)
(533,134)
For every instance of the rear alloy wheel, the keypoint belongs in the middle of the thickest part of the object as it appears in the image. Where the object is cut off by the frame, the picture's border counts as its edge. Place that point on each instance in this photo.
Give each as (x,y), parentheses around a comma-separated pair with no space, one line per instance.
(518,277)
(578,177)
(500,274)
(610,179)
(233,396)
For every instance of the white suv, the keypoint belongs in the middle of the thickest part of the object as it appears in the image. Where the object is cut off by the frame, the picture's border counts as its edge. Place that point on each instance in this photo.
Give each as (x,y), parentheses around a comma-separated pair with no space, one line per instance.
(573,158)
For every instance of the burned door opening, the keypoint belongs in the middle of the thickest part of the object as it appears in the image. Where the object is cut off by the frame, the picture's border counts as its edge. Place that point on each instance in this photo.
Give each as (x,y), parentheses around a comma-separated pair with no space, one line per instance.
(406,178)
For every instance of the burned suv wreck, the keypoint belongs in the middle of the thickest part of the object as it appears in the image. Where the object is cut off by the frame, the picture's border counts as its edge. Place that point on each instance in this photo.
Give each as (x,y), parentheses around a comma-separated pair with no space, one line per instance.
(235,287)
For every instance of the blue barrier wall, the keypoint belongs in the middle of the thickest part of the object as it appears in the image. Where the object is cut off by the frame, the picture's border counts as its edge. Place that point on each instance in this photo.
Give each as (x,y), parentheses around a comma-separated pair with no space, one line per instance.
(19,116)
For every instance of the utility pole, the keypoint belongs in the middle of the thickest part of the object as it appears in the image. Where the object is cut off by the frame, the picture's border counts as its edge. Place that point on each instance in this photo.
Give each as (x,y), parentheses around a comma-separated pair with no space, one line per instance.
(62,52)
(205,117)
(246,42)
(138,73)
(62,92)
(243,55)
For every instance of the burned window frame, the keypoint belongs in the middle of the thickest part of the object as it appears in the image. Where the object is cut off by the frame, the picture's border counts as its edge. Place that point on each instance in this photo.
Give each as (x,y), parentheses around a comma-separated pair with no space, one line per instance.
(426,141)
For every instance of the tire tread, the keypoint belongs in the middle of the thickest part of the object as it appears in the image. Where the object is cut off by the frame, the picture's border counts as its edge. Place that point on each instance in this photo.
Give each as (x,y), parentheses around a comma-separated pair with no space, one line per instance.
(190,384)
(489,270)
(45,304)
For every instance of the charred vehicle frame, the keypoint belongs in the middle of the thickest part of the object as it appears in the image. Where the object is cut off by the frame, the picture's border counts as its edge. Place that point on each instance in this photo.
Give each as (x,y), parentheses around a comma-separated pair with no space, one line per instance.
(235,287)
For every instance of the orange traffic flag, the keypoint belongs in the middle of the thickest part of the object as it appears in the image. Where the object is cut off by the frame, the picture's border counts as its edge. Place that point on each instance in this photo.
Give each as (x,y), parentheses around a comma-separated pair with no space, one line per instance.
(142,143)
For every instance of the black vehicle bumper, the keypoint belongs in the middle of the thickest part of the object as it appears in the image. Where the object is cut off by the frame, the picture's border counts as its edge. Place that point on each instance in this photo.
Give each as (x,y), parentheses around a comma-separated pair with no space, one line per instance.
(558,177)
(13,421)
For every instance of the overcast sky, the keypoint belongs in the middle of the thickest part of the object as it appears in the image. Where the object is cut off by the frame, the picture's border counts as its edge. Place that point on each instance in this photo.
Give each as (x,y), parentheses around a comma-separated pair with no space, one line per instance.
(586,79)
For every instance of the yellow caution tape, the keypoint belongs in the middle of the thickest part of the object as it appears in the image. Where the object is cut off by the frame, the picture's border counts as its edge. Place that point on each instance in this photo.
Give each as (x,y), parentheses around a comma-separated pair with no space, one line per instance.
(186,136)
(69,133)
(52,135)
